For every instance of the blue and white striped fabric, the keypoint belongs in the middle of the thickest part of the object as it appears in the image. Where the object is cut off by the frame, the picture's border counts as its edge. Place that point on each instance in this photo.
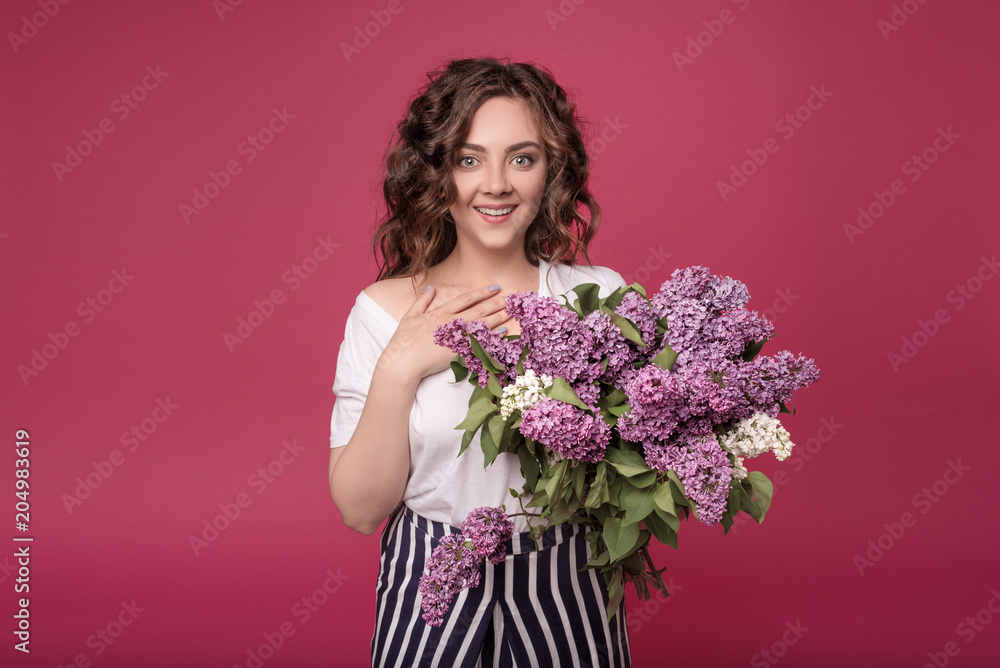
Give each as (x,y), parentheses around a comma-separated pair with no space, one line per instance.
(534,609)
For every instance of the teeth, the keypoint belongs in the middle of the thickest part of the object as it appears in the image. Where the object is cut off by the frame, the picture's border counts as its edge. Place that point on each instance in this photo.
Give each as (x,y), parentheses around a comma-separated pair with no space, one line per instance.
(495,212)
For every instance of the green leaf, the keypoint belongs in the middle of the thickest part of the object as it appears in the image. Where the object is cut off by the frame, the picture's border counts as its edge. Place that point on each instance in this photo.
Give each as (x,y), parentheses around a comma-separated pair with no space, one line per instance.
(490,449)
(466,440)
(496,427)
(751,350)
(627,462)
(561,391)
(665,358)
(614,398)
(616,592)
(493,385)
(638,503)
(600,560)
(588,294)
(643,479)
(763,490)
(529,467)
(663,498)
(660,529)
(478,410)
(628,329)
(599,488)
(558,472)
(671,521)
(620,410)
(621,539)
(488,362)
(459,368)
(579,480)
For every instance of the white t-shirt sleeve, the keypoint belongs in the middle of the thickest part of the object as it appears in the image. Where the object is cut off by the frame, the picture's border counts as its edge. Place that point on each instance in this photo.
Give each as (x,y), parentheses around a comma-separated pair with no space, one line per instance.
(359,352)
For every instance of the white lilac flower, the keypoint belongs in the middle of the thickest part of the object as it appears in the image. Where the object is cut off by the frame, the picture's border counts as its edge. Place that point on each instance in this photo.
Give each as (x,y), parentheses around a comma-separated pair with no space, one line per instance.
(523,393)
(756,435)
(739,471)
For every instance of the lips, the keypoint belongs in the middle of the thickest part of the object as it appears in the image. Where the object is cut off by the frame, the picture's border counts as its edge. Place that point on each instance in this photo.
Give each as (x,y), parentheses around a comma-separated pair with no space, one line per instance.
(495,210)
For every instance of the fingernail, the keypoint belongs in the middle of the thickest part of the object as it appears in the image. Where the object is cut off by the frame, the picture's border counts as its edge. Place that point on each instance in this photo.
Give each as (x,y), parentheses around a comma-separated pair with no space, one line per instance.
(427,288)
(503,330)
(495,287)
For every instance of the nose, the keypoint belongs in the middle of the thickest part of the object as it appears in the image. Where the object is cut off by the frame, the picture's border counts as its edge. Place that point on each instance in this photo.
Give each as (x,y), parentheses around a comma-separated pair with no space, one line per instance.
(495,178)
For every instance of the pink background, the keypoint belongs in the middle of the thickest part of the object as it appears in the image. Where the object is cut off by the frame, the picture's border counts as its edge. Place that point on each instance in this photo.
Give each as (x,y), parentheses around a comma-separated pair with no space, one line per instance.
(663,136)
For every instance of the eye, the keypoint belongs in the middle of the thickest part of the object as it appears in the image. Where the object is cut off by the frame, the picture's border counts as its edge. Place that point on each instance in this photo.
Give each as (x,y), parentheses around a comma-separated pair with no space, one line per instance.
(466,161)
(526,160)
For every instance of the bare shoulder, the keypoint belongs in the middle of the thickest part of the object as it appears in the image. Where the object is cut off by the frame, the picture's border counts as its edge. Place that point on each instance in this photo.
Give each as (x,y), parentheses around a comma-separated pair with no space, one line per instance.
(393,294)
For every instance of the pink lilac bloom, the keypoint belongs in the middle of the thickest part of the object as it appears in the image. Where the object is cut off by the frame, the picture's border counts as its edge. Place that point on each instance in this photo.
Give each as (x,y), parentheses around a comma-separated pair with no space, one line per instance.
(689,283)
(452,567)
(657,404)
(454,335)
(638,311)
(704,469)
(558,344)
(768,381)
(489,529)
(566,430)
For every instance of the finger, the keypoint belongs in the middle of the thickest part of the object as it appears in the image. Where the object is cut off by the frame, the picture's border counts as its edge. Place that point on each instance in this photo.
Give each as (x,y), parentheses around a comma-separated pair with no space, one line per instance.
(468,299)
(422,301)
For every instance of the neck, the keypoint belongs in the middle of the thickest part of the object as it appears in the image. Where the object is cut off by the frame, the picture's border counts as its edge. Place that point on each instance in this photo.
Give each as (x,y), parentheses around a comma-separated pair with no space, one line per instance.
(466,269)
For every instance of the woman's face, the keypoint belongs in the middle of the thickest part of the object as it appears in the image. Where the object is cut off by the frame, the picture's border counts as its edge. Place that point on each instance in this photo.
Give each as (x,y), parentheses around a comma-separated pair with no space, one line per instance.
(500,177)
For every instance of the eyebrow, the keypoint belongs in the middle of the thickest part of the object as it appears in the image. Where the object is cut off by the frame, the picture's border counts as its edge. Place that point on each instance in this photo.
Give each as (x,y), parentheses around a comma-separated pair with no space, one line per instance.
(510,149)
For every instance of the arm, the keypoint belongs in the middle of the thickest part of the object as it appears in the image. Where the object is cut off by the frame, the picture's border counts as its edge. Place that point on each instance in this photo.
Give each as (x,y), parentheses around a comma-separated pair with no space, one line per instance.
(369,474)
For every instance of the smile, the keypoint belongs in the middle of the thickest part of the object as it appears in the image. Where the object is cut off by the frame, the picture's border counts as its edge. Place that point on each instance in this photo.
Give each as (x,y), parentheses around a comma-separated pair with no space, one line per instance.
(495,212)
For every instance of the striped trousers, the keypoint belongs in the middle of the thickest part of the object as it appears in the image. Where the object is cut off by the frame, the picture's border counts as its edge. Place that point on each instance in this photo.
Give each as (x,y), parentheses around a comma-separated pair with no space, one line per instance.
(534,609)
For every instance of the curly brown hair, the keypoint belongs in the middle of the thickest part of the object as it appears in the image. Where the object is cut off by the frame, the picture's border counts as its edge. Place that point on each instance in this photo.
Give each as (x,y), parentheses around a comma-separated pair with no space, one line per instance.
(418,230)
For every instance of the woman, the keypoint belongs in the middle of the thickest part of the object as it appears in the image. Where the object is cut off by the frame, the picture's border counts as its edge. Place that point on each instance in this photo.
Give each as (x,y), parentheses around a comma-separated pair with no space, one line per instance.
(483,187)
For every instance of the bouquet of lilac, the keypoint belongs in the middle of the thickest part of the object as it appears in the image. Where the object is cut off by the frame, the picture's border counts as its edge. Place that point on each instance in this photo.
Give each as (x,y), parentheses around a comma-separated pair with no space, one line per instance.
(626,413)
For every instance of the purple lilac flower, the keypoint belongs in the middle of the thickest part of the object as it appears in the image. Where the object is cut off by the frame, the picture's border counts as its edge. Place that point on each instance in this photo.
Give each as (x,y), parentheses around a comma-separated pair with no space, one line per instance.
(690,283)
(488,528)
(657,404)
(566,430)
(702,467)
(769,380)
(553,334)
(452,567)
(454,335)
